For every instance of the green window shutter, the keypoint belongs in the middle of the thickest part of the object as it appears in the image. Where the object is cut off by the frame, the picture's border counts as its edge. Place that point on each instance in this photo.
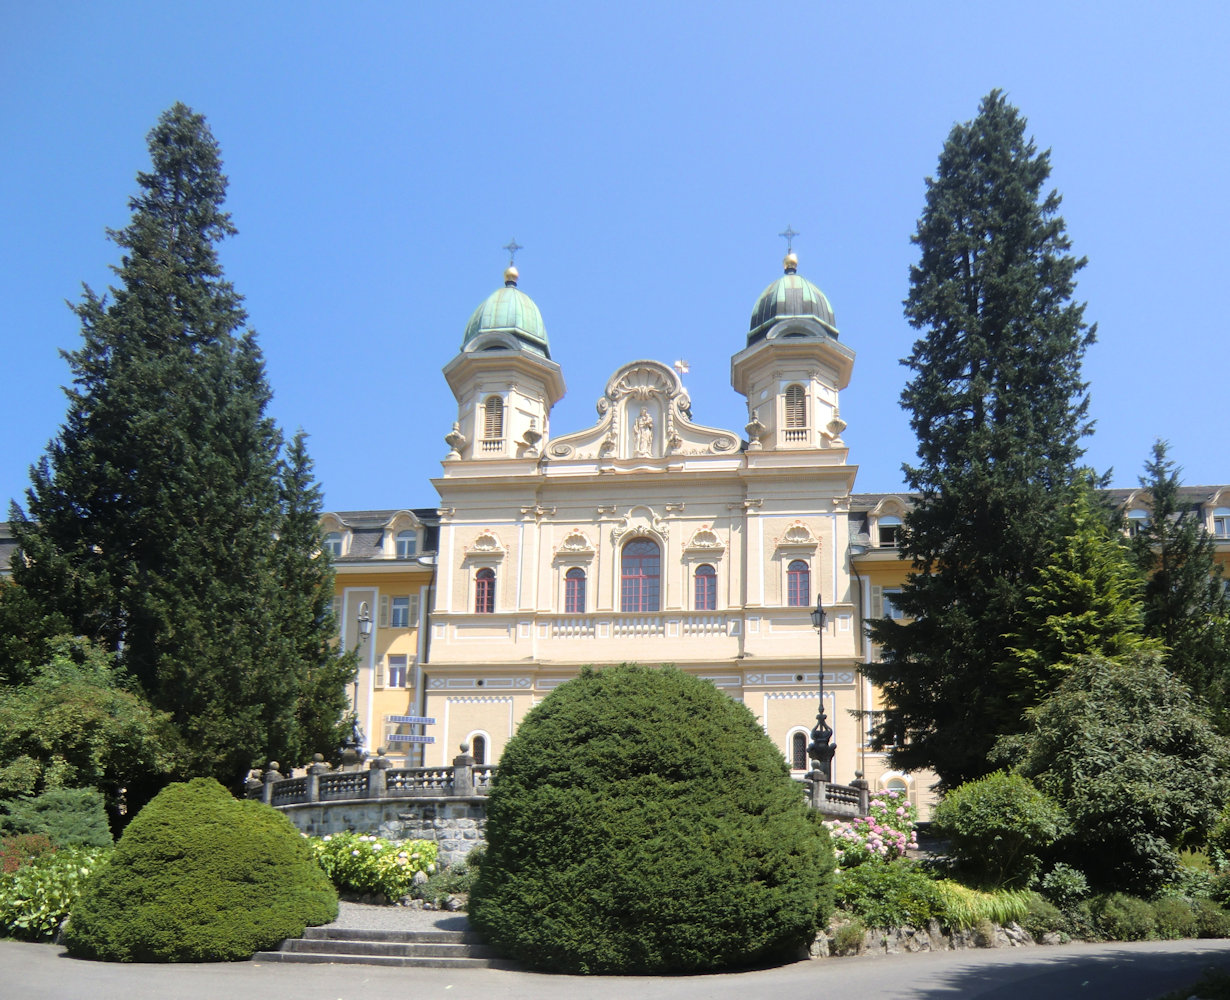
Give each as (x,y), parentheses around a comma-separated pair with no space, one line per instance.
(380,673)
(414,609)
(384,612)
(877,602)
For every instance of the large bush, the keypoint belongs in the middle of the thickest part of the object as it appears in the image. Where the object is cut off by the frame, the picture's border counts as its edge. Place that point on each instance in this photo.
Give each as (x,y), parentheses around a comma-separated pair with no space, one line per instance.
(996,827)
(642,822)
(1135,764)
(200,877)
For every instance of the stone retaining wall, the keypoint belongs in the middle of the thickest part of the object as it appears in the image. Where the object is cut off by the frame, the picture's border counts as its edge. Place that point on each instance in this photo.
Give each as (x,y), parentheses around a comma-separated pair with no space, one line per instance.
(455,824)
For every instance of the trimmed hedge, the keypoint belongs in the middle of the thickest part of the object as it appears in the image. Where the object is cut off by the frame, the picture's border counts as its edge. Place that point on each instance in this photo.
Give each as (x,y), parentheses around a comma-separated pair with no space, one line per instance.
(199,876)
(642,822)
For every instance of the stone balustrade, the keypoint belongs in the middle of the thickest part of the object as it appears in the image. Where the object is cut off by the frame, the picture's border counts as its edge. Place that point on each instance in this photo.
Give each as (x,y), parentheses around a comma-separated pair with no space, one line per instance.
(442,804)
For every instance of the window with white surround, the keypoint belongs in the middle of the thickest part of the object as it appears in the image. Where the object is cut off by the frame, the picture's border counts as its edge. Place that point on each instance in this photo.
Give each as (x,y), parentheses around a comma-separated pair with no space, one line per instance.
(1221,522)
(484,591)
(333,543)
(798,750)
(888,531)
(705,588)
(407,544)
(1137,521)
(574,591)
(400,616)
(398,671)
(640,576)
(798,584)
(478,747)
(891,609)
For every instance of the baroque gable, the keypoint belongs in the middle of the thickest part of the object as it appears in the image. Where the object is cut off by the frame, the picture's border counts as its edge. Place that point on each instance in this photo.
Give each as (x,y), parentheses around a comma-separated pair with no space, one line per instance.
(644,414)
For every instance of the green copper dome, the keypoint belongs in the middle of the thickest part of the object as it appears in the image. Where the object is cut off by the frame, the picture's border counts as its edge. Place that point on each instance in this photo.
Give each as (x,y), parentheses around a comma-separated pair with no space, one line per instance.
(790,297)
(511,312)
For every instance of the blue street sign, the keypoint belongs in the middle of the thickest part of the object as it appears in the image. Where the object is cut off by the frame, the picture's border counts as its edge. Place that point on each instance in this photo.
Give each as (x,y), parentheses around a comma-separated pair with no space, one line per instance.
(412,720)
(407,738)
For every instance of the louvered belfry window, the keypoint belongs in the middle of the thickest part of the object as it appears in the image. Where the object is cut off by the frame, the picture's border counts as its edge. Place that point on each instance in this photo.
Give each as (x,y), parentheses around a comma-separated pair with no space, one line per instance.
(796,407)
(493,423)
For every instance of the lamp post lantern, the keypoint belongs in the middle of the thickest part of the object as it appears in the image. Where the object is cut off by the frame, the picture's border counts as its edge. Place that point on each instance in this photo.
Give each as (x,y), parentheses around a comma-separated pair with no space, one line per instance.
(822,748)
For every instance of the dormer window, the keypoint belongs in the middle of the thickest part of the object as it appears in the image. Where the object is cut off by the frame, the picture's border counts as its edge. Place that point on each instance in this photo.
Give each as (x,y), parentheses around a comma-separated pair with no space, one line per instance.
(333,544)
(407,544)
(888,532)
(1137,522)
(1221,522)
(796,413)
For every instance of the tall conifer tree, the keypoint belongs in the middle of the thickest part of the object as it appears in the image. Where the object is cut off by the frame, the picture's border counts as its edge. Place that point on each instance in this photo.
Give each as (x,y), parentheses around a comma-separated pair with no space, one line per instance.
(1186,604)
(997,403)
(152,520)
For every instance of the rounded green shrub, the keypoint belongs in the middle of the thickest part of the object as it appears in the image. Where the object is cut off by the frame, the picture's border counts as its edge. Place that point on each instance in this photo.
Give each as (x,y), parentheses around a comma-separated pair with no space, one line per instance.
(199,876)
(889,894)
(1211,920)
(1174,918)
(997,825)
(642,822)
(1044,917)
(1120,917)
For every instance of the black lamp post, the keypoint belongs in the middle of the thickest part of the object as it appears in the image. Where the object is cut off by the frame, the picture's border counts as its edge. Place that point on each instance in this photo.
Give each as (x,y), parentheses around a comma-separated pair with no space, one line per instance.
(821,749)
(365,630)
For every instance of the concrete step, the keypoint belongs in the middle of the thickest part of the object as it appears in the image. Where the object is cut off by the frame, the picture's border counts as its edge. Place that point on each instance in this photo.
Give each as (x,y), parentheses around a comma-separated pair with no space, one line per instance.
(341,946)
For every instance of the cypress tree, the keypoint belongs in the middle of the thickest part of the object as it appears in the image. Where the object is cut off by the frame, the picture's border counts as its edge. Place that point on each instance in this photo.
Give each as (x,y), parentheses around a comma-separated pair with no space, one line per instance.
(998,406)
(1186,604)
(151,521)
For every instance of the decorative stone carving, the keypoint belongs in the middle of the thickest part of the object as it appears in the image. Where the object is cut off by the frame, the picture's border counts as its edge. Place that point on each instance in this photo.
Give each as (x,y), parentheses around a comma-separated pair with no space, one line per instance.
(644,434)
(704,539)
(797,536)
(455,441)
(575,543)
(486,545)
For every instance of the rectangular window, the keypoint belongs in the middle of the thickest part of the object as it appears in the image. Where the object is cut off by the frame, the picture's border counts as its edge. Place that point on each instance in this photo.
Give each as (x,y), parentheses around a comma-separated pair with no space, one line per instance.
(400,617)
(397,671)
(1221,523)
(891,610)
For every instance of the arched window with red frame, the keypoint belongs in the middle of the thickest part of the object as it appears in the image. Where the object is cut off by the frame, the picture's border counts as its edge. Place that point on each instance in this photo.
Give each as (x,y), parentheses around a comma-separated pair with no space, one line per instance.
(798,584)
(574,591)
(641,577)
(705,593)
(484,592)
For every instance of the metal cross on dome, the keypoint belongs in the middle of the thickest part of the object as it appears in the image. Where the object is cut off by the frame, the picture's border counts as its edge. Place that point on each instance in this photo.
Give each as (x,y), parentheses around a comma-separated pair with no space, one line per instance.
(789,236)
(512,249)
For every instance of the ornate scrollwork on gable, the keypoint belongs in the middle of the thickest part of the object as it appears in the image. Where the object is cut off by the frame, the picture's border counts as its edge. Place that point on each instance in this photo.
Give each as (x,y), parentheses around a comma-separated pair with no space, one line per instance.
(705,540)
(798,536)
(485,546)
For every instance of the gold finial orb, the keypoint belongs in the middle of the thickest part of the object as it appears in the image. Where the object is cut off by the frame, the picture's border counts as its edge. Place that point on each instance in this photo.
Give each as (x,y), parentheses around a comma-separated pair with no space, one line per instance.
(511,274)
(791,262)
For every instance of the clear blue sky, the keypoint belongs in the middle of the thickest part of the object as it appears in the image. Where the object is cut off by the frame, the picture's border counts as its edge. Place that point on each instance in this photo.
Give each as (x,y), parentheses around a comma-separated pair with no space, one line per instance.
(646,155)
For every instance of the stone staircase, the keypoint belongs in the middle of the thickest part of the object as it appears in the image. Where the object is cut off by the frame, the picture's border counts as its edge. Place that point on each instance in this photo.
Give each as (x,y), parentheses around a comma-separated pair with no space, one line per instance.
(340,946)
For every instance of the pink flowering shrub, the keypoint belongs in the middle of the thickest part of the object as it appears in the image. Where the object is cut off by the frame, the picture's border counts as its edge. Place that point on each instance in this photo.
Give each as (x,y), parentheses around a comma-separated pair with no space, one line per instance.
(884,835)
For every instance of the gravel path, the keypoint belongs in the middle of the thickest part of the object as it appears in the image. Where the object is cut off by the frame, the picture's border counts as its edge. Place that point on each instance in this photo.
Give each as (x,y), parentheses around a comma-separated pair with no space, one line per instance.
(365,916)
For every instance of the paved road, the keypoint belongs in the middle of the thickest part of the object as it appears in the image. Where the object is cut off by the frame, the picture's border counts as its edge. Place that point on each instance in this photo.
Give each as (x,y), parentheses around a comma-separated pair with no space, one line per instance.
(1116,972)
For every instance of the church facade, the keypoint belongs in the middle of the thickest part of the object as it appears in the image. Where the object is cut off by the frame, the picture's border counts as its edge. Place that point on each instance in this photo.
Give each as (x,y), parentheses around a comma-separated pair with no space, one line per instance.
(645,537)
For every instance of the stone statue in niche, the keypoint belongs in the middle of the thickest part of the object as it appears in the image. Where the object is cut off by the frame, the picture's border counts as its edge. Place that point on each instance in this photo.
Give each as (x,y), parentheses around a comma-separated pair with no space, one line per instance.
(644,434)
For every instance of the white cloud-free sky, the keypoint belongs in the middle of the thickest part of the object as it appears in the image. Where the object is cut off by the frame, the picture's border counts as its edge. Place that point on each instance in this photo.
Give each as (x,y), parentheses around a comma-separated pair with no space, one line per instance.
(646,155)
